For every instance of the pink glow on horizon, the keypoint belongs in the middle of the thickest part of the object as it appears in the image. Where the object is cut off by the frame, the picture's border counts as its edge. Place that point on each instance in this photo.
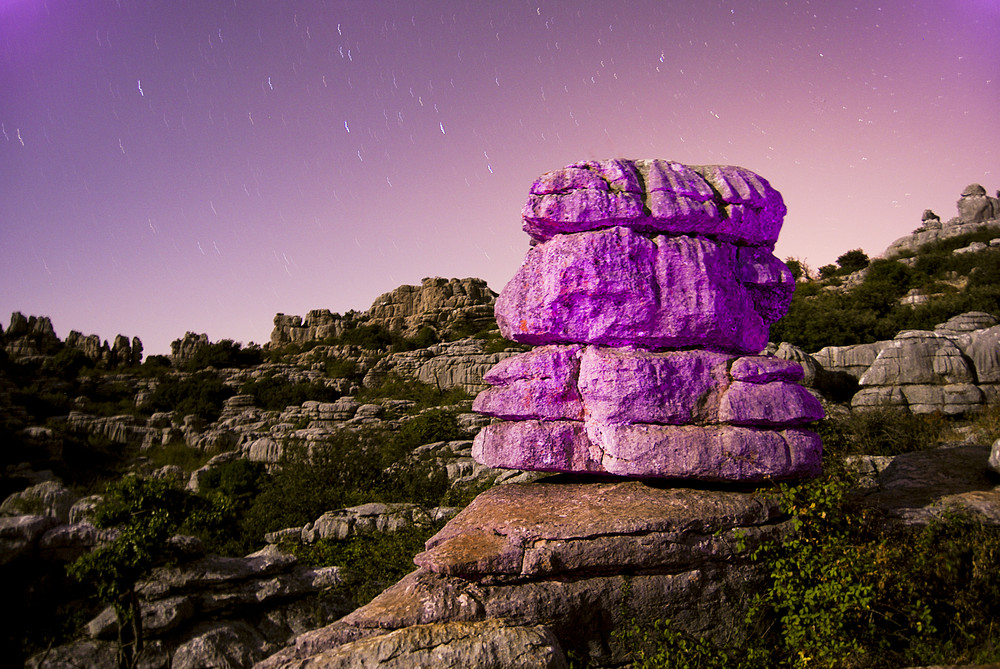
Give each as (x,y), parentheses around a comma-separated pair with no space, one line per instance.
(197,166)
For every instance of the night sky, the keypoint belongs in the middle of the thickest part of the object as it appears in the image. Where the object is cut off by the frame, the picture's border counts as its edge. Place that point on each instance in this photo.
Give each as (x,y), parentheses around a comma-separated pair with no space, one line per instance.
(202,165)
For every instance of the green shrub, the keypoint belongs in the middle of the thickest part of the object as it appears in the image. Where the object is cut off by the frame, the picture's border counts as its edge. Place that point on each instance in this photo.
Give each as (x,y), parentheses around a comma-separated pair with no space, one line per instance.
(225,354)
(276,392)
(425,395)
(201,394)
(429,427)
(847,590)
(371,562)
(882,430)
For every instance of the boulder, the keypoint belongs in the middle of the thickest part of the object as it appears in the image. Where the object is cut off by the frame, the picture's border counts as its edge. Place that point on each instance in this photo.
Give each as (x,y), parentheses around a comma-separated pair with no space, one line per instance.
(555,552)
(976,206)
(706,453)
(655,196)
(228,644)
(918,357)
(615,287)
(19,535)
(541,383)
(48,498)
(489,644)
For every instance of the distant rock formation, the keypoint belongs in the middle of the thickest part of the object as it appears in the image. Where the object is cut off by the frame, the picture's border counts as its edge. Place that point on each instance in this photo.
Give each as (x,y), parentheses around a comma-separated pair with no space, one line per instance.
(976,211)
(182,351)
(34,338)
(316,326)
(952,370)
(442,304)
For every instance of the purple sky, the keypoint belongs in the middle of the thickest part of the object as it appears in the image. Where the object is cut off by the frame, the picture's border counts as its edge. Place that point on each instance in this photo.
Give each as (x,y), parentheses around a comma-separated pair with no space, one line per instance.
(202,165)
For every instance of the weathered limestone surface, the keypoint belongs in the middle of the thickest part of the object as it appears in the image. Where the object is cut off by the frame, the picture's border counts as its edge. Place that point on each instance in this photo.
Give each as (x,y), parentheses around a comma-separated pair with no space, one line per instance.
(560,553)
(652,196)
(616,287)
(489,644)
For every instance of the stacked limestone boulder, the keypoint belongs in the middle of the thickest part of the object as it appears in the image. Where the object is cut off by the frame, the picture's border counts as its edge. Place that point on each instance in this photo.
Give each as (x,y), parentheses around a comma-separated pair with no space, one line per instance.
(649,293)
(648,296)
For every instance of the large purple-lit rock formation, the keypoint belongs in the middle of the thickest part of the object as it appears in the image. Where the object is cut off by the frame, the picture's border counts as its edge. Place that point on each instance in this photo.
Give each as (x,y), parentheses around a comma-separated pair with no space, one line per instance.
(648,293)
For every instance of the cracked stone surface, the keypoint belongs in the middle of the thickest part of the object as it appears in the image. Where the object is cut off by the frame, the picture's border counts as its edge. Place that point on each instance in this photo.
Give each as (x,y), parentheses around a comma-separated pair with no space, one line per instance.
(649,294)
(547,529)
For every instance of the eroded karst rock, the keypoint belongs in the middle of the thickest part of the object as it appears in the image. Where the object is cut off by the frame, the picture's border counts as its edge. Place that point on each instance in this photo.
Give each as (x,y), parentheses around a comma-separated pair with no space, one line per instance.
(650,290)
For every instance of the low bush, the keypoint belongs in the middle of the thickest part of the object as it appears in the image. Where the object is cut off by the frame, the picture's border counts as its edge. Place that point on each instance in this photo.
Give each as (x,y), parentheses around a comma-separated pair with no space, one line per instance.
(371,562)
(201,394)
(424,394)
(882,430)
(848,591)
(276,392)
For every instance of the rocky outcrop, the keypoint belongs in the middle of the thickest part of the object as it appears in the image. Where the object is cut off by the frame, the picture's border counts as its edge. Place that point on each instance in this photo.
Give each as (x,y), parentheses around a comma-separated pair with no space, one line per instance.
(182,351)
(976,211)
(445,305)
(30,337)
(490,644)
(49,498)
(457,364)
(580,558)
(437,303)
(34,338)
(375,517)
(318,324)
(214,611)
(953,369)
(649,293)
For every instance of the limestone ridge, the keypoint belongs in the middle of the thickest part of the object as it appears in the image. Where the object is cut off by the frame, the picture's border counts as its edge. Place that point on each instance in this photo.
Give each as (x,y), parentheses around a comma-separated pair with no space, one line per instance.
(646,364)
(33,337)
(441,304)
(976,211)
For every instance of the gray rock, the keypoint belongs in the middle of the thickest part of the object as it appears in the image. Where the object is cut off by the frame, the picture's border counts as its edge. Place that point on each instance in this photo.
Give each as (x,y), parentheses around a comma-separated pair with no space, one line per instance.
(265,450)
(19,535)
(372,518)
(918,357)
(917,488)
(553,553)
(810,367)
(490,644)
(851,360)
(984,351)
(83,508)
(48,498)
(230,645)
(447,365)
(970,321)
(994,461)
(74,655)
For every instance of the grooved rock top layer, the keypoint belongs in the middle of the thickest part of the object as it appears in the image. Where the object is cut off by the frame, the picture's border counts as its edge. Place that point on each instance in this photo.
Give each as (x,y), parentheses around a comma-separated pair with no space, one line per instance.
(656,196)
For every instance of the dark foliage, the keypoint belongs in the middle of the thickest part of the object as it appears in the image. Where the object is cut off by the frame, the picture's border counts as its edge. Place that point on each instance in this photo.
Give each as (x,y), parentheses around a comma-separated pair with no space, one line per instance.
(201,394)
(225,354)
(276,392)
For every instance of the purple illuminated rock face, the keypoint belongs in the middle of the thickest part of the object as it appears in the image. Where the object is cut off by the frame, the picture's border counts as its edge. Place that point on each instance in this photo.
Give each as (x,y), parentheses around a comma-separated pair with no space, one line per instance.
(649,292)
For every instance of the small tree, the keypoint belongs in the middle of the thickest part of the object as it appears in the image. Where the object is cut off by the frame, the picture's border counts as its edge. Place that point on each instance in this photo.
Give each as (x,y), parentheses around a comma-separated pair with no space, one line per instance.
(852,261)
(145,513)
(827,271)
(795,266)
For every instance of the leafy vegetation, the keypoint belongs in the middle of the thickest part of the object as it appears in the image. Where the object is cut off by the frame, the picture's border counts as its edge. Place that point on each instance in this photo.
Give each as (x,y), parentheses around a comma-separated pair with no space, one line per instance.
(819,317)
(277,392)
(424,394)
(145,514)
(200,394)
(370,562)
(224,354)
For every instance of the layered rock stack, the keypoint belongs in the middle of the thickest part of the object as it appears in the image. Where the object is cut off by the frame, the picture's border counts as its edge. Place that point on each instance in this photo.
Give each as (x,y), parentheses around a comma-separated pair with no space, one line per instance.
(648,293)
